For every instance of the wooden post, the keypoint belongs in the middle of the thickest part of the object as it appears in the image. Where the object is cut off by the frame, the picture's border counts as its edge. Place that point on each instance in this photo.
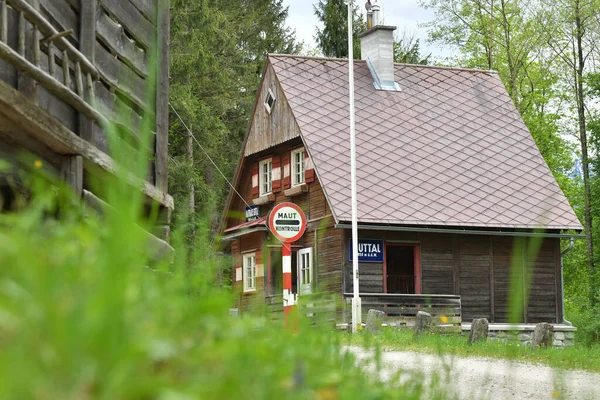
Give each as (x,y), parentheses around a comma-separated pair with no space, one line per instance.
(162,95)
(87,40)
(29,47)
(456,260)
(72,173)
(289,298)
(492,282)
(189,156)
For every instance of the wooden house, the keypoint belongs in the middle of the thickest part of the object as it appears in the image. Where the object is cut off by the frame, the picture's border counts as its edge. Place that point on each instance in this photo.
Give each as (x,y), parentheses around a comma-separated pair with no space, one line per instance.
(67,69)
(455,201)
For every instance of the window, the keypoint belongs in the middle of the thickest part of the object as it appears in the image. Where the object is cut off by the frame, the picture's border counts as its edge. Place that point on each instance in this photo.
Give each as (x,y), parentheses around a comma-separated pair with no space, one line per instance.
(265,176)
(249,272)
(270,101)
(305,273)
(297,167)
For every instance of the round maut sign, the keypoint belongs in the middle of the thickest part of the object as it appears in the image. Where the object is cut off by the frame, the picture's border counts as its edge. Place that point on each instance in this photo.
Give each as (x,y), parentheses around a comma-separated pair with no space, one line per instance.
(287,222)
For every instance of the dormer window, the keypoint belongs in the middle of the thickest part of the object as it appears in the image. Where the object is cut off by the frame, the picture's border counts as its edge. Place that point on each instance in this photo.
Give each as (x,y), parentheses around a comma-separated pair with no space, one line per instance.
(265,170)
(270,101)
(298,166)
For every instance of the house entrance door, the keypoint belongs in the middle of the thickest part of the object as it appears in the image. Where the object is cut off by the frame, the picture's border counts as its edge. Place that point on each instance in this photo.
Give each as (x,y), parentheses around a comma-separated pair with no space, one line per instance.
(402,269)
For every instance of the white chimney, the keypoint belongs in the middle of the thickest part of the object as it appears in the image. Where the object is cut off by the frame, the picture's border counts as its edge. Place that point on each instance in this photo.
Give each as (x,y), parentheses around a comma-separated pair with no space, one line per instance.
(377,48)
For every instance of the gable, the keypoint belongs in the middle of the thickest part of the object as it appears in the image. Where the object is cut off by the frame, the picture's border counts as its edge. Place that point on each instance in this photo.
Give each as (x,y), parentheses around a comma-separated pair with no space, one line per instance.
(269,129)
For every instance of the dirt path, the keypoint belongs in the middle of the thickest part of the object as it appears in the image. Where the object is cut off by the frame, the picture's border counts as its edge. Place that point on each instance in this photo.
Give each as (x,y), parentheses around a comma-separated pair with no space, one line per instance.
(481,378)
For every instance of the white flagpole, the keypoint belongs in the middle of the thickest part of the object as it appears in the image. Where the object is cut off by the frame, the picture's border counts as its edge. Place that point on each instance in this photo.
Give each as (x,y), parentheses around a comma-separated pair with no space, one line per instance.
(356,306)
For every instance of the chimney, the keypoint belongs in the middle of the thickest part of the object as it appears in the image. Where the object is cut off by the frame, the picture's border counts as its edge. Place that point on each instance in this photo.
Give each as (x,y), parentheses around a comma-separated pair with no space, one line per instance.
(377,48)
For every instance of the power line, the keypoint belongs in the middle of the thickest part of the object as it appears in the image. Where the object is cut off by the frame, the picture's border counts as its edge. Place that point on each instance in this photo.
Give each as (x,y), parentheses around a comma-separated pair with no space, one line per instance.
(207,155)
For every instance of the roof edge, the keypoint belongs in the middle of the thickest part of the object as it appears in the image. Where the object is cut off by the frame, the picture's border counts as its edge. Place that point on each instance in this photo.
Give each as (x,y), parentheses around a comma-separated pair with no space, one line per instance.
(317,58)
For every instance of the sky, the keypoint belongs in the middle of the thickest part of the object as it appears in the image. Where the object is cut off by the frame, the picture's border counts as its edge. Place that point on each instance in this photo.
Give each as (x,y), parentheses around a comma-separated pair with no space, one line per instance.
(405,14)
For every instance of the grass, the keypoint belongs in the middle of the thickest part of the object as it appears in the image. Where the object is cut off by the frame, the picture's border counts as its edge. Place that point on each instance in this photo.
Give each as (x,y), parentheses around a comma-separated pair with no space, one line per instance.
(573,357)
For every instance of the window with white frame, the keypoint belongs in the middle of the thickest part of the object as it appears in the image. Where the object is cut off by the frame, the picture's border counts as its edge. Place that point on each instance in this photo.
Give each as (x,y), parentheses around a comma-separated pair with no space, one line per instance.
(265,176)
(297,167)
(249,272)
(270,101)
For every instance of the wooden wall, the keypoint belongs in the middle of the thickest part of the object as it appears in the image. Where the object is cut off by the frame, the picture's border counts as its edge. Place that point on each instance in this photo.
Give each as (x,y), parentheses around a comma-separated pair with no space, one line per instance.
(486,271)
(271,129)
(117,36)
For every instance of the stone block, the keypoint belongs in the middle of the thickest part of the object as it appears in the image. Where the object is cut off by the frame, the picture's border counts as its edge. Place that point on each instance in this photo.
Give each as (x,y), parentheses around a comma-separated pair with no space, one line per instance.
(559,335)
(542,335)
(502,334)
(492,335)
(570,335)
(374,320)
(558,343)
(479,330)
(524,337)
(568,342)
(422,323)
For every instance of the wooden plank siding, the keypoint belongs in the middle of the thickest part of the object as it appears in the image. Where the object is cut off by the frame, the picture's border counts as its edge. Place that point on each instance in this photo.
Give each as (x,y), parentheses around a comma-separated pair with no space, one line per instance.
(478,268)
(274,128)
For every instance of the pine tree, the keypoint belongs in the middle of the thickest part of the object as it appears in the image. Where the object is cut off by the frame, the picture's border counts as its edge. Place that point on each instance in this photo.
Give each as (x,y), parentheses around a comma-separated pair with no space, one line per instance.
(332,40)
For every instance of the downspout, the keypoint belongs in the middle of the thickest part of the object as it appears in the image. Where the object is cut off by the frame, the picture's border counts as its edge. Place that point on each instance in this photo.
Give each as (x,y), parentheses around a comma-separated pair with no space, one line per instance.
(562,280)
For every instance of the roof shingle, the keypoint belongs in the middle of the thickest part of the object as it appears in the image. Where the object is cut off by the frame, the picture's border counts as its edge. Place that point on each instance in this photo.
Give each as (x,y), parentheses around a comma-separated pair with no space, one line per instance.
(449,149)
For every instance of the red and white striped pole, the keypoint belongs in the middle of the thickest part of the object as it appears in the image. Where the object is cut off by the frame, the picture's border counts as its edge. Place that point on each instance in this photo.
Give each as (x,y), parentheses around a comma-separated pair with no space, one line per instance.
(287,223)
(289,298)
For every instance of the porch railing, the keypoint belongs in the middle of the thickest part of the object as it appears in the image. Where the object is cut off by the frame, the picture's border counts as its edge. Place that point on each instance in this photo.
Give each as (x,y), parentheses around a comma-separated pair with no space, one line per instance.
(402,309)
(320,307)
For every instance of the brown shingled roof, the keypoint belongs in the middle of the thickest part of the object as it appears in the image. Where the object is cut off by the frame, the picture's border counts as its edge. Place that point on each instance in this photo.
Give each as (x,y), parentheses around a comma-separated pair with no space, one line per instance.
(449,149)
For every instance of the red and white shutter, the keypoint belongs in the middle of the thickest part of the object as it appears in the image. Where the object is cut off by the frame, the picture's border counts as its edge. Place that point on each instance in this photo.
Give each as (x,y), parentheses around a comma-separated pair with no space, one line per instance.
(287,171)
(309,170)
(255,181)
(276,174)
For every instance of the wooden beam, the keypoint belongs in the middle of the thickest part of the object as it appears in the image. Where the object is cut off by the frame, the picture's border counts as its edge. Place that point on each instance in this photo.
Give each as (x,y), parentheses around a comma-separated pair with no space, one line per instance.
(72,173)
(50,83)
(87,37)
(162,97)
(40,125)
(492,283)
(456,261)
(28,40)
(558,281)
(158,249)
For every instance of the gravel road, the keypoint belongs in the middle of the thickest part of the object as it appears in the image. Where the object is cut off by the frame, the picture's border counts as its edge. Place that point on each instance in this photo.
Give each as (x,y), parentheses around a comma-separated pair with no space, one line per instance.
(481,378)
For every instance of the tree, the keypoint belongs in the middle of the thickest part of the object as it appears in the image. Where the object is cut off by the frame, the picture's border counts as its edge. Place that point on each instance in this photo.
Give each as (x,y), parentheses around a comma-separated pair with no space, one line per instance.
(217,55)
(572,30)
(503,35)
(407,50)
(332,40)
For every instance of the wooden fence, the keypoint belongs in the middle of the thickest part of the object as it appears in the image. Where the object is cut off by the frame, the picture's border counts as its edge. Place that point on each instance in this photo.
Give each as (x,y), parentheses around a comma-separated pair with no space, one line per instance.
(402,309)
(318,307)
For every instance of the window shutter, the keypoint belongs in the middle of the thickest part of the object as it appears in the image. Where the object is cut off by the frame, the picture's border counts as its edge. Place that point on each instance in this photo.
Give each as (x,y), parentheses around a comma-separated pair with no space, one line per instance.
(287,173)
(254,180)
(309,170)
(276,172)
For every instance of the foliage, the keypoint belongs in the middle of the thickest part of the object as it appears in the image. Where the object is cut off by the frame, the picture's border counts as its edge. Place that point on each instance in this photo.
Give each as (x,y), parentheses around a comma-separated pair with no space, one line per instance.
(217,57)
(407,50)
(332,39)
(571,357)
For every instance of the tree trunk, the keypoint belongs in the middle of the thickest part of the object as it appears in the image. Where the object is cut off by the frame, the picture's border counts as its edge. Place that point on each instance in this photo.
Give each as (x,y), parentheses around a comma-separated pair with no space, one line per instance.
(583,136)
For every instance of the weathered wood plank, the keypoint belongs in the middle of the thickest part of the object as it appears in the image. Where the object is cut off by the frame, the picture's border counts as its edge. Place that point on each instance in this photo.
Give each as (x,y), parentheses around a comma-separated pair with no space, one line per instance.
(72,173)
(130,17)
(147,8)
(117,111)
(121,77)
(87,36)
(112,35)
(162,95)
(62,16)
(39,124)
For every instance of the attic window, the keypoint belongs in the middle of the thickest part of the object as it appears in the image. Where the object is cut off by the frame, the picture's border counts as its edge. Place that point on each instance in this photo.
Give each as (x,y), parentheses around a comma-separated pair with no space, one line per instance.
(270,101)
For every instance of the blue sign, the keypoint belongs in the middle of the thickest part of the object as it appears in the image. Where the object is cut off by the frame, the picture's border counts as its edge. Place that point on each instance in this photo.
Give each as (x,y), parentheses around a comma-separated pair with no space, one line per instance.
(369,250)
(252,213)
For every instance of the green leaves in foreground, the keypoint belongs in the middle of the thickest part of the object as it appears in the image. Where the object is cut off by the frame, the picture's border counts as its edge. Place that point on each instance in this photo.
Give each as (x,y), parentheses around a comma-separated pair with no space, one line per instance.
(83,317)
